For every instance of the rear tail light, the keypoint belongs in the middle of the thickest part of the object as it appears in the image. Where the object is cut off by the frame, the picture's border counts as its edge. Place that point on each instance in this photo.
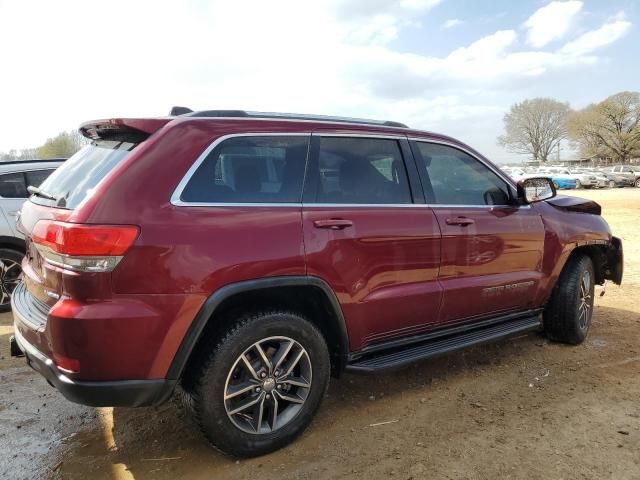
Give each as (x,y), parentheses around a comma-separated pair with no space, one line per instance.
(82,247)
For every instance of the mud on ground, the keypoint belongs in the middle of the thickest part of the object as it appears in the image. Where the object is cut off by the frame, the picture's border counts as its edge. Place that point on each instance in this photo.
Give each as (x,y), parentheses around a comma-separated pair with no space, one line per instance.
(523,408)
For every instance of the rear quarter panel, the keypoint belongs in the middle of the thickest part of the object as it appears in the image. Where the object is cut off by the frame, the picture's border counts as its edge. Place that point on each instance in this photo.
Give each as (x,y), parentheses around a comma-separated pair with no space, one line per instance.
(183,253)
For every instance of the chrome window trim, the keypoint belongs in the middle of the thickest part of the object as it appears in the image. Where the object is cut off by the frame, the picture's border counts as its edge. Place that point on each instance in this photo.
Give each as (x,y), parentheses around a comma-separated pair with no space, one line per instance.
(175,196)
(176,201)
(339,205)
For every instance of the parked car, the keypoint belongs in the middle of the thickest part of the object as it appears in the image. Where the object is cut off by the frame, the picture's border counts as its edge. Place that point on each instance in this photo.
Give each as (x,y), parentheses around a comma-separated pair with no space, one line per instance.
(613,180)
(267,252)
(582,179)
(601,179)
(15,177)
(562,182)
(628,171)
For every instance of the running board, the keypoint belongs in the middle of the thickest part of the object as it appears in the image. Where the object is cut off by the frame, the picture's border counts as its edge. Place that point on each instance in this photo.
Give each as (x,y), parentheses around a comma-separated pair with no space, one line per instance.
(397,357)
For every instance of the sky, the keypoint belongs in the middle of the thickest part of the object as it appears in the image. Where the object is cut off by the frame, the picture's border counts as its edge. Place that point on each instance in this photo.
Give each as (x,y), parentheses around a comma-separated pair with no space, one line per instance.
(449,66)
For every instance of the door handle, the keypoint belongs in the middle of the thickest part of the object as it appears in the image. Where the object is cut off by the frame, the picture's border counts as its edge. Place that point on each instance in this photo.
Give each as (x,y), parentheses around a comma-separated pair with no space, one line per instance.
(460,221)
(333,223)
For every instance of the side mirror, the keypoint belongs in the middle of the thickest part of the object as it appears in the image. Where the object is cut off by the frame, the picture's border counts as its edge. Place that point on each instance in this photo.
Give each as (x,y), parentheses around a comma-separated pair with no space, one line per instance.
(532,190)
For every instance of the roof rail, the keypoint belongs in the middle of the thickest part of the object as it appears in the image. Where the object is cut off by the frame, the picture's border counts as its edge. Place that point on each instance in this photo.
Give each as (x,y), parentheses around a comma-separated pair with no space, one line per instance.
(285,116)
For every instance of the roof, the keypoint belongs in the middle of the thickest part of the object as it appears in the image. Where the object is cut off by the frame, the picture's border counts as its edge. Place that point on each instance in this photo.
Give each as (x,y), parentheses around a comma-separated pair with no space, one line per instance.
(33,160)
(25,165)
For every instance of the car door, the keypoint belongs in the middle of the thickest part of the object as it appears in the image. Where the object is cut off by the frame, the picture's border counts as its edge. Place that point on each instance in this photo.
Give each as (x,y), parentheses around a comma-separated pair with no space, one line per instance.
(368,233)
(491,248)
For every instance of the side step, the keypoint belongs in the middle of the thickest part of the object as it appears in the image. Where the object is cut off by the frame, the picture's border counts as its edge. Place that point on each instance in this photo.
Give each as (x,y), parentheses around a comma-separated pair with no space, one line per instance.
(398,357)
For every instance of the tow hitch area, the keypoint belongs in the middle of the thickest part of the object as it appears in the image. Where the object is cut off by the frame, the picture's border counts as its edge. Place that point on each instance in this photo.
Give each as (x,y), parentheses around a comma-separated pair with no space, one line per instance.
(14,348)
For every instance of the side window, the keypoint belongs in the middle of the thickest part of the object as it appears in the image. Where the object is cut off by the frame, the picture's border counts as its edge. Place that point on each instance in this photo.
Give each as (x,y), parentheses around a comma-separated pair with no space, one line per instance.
(36,177)
(259,169)
(12,186)
(457,178)
(361,171)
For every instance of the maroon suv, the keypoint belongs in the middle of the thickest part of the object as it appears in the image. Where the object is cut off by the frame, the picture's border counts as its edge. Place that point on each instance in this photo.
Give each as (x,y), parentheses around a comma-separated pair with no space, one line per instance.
(247,257)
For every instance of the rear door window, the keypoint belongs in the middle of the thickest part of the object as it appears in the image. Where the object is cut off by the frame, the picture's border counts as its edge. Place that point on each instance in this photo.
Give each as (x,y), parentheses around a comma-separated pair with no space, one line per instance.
(260,169)
(77,178)
(360,171)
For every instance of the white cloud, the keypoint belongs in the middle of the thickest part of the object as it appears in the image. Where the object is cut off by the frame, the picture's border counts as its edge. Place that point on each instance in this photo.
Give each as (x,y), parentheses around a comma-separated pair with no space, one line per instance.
(452,22)
(551,22)
(590,41)
(326,57)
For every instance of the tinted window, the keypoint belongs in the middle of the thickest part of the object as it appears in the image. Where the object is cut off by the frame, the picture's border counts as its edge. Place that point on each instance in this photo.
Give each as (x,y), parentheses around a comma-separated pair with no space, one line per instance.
(457,178)
(36,177)
(77,177)
(361,170)
(12,186)
(251,170)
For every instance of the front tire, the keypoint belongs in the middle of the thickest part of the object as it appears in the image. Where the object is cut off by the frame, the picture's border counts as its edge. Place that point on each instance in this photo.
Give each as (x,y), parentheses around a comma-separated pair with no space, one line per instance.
(261,385)
(578,184)
(567,317)
(638,182)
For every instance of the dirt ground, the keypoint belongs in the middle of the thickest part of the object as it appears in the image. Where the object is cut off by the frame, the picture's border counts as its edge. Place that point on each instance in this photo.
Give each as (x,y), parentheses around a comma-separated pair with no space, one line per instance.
(523,409)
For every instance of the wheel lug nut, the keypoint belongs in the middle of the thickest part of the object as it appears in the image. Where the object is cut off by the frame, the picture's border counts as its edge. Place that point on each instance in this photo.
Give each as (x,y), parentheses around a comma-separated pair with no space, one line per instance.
(262,375)
(277,372)
(257,389)
(268,395)
(279,387)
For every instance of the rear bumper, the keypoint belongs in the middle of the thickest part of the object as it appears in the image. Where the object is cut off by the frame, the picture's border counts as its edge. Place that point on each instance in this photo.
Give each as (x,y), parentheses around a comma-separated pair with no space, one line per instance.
(121,393)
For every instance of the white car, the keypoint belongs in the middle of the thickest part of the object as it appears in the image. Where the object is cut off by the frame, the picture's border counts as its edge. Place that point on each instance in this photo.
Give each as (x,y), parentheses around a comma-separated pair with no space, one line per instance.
(15,178)
(603,181)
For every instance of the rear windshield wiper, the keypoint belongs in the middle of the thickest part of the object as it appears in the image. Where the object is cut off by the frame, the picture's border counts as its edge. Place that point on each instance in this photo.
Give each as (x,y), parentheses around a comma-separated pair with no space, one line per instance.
(39,193)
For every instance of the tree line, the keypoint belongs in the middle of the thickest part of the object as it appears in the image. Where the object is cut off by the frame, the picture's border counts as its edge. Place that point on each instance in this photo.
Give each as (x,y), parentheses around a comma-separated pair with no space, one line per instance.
(62,145)
(608,130)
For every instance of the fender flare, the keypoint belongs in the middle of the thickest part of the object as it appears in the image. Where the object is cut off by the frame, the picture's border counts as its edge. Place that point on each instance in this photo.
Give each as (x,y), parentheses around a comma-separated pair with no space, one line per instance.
(210,305)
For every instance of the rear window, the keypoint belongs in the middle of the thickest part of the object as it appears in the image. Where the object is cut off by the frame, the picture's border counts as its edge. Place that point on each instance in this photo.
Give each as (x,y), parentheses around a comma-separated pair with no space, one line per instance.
(77,178)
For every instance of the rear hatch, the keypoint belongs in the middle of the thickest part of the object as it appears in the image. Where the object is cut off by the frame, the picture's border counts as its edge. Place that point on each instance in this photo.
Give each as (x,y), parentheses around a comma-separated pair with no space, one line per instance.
(50,208)
(65,257)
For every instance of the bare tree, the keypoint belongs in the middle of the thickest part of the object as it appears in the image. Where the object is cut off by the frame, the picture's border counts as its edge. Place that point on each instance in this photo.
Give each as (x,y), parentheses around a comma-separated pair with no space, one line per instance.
(535,127)
(609,129)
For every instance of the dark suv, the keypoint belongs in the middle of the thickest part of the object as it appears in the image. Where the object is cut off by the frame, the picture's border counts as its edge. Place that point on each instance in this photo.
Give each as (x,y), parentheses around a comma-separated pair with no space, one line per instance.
(247,257)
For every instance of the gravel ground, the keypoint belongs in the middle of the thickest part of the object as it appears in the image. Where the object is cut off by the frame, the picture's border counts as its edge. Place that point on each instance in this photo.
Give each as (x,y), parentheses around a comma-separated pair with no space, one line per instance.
(523,408)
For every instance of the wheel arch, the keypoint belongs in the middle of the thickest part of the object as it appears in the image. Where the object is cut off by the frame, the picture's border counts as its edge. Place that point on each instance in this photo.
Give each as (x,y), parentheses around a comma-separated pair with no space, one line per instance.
(310,296)
(13,243)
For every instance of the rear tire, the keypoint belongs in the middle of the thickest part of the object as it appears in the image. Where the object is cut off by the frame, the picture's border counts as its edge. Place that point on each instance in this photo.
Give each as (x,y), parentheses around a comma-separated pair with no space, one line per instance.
(567,317)
(10,272)
(245,401)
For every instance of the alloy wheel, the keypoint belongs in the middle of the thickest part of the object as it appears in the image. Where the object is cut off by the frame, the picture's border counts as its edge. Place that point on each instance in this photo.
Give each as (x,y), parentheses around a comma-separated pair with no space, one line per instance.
(585,301)
(268,385)
(10,271)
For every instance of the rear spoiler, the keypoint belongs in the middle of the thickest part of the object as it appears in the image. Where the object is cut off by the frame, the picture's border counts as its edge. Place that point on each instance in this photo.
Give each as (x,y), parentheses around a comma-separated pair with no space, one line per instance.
(133,130)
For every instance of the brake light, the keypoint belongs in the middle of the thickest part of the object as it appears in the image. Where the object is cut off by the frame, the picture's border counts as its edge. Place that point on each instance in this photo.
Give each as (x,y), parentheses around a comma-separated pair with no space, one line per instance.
(83,247)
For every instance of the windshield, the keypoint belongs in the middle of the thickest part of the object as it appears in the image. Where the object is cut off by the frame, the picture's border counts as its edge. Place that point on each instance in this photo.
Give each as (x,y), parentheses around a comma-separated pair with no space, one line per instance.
(77,178)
